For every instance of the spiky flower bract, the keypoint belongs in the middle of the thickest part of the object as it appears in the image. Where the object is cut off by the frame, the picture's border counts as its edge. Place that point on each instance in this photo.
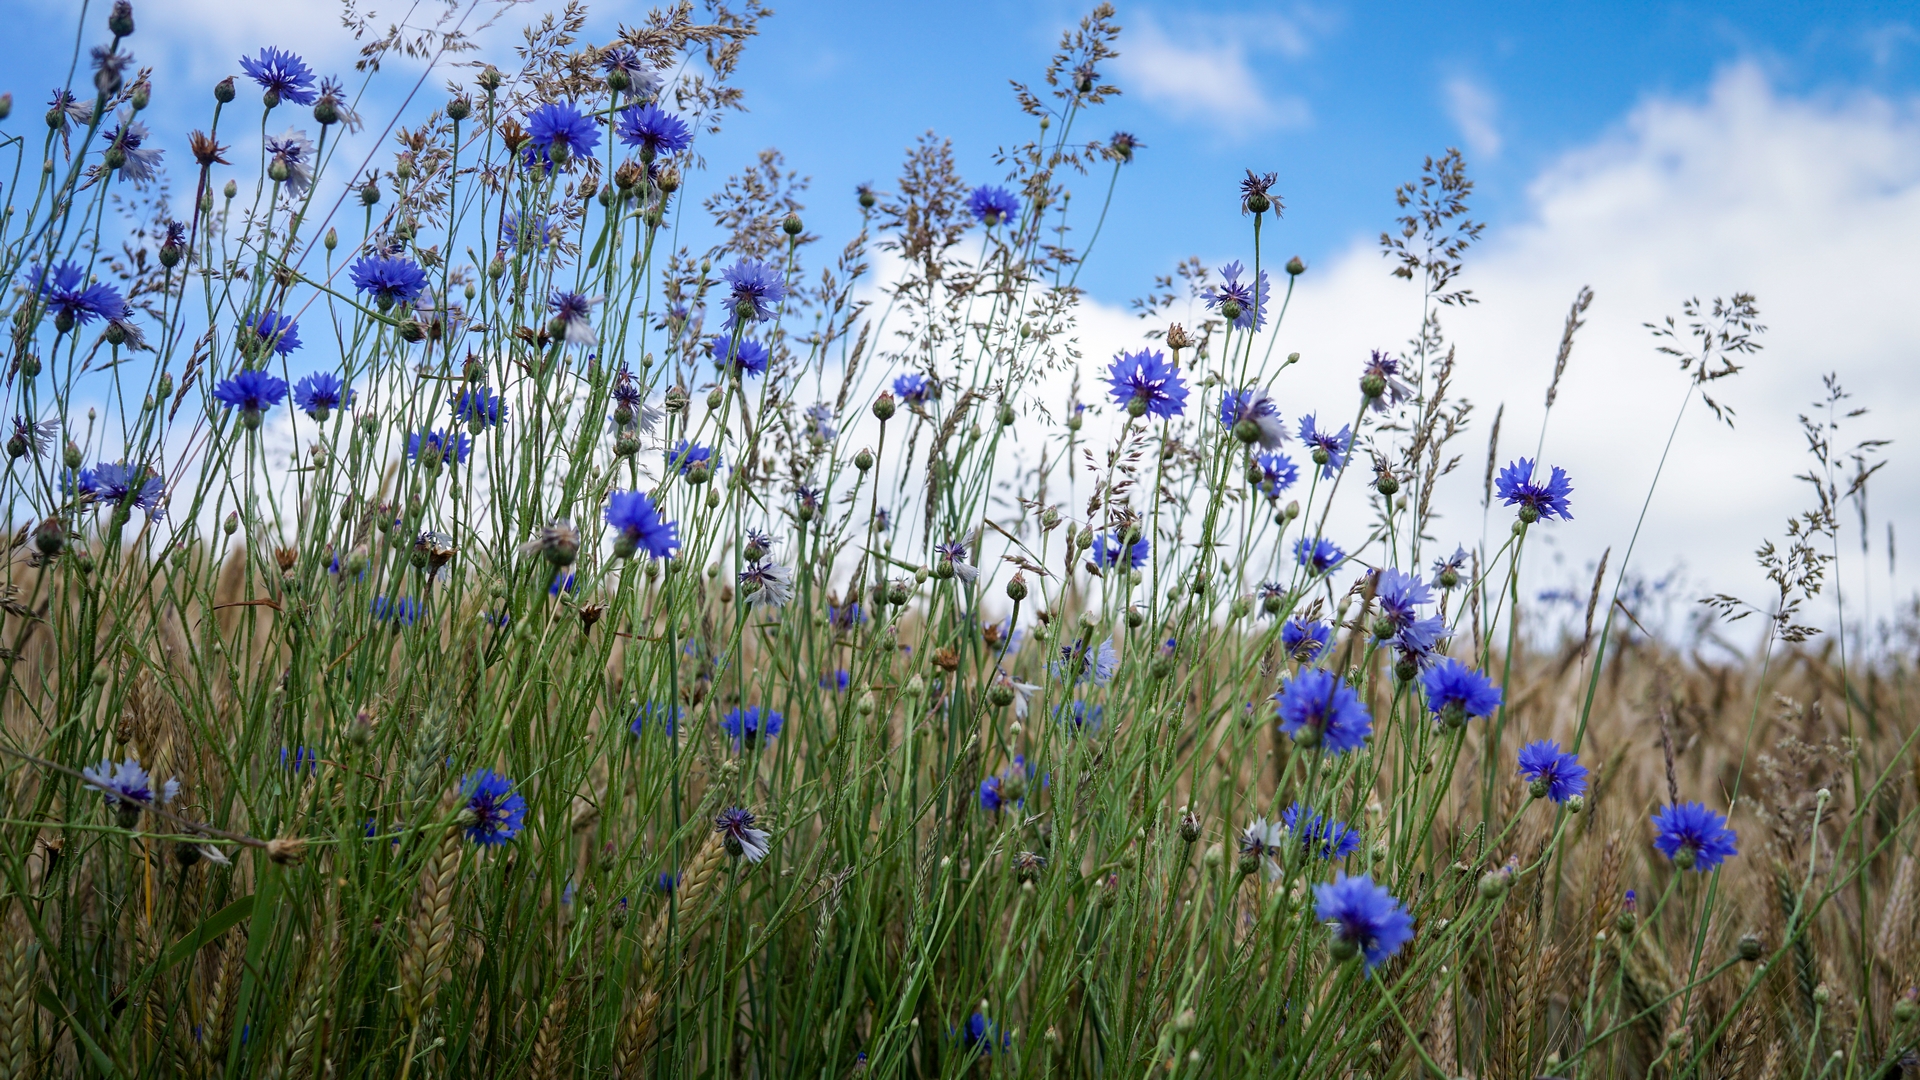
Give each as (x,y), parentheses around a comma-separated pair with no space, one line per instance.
(1147,382)
(496,811)
(1317,707)
(1365,917)
(1559,775)
(1694,837)
(1515,486)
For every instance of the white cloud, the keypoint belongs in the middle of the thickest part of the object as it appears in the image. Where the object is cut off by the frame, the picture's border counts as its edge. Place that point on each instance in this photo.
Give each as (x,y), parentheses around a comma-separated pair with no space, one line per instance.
(1202,69)
(1473,110)
(1813,205)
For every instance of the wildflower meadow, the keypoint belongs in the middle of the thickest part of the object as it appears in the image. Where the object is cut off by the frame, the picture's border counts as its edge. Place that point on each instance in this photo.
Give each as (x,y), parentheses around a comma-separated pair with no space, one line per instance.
(523,605)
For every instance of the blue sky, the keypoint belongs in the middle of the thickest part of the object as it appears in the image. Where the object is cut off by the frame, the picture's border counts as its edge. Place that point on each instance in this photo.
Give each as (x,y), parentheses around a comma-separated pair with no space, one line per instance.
(1653,151)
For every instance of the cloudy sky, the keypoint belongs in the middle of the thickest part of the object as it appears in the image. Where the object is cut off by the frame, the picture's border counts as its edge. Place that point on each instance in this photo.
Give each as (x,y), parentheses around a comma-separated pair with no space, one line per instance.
(1655,152)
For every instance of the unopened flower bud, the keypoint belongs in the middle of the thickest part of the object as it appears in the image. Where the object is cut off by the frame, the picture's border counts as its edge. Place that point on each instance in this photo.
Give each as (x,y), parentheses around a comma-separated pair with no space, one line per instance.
(459,108)
(223,90)
(1017,586)
(1296,267)
(863,460)
(884,406)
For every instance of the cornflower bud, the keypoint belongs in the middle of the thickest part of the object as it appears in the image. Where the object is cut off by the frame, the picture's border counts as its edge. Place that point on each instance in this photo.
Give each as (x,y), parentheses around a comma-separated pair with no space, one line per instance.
(884,406)
(223,90)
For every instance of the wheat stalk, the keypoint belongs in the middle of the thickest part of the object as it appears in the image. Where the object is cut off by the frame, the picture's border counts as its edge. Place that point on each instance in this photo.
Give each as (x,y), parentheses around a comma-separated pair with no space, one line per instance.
(430,933)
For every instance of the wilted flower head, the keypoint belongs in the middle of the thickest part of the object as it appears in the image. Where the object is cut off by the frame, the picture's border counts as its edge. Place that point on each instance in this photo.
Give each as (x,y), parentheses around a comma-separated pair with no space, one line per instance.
(954,555)
(1317,707)
(33,438)
(1446,571)
(742,840)
(141,163)
(1255,409)
(284,76)
(294,150)
(625,60)
(1255,191)
(766,584)
(1381,384)
(497,811)
(1122,146)
(1081,660)
(574,314)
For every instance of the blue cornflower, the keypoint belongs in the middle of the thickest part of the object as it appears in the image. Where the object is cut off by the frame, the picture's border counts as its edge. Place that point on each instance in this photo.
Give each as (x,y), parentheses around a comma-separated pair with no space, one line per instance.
(558,124)
(1110,548)
(402,612)
(1400,594)
(127,786)
(749,725)
(479,406)
(1516,487)
(1694,837)
(990,798)
(1456,692)
(667,882)
(641,526)
(1554,775)
(914,388)
(1317,707)
(252,392)
(1446,571)
(1319,556)
(1367,919)
(140,163)
(533,232)
(1147,382)
(498,811)
(284,76)
(653,130)
(435,447)
(561,583)
(845,616)
(1321,836)
(820,422)
(1252,310)
(299,760)
(1305,641)
(574,312)
(757,291)
(1329,450)
(71,299)
(1277,474)
(993,205)
(686,455)
(836,682)
(641,79)
(1081,717)
(980,1034)
(748,357)
(390,280)
(1418,641)
(121,484)
(1080,661)
(278,332)
(667,716)
(1255,410)
(297,153)
(735,826)
(1380,382)
(320,393)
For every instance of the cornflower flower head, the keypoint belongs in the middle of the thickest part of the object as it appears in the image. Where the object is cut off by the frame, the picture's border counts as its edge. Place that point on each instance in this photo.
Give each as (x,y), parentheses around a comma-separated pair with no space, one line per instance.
(320,393)
(1318,708)
(980,1034)
(1080,717)
(1122,145)
(293,151)
(951,561)
(1110,549)
(1022,692)
(626,389)
(914,388)
(1320,836)
(653,712)
(572,317)
(284,76)
(756,290)
(140,163)
(109,69)
(845,616)
(1255,192)
(820,422)
(277,332)
(1329,451)
(766,584)
(251,391)
(64,110)
(742,840)
(1305,640)
(333,96)
(1318,556)
(72,300)
(1367,920)
(1446,571)
(390,280)
(528,232)
(1147,382)
(1456,692)
(807,500)
(1236,300)
(479,407)
(751,724)
(641,526)
(1253,417)
(1400,595)
(1080,661)
(744,357)
(496,812)
(1694,837)
(1516,487)
(1380,382)
(1553,774)
(121,484)
(686,456)
(1277,474)
(1418,643)
(992,205)
(557,134)
(402,612)
(32,438)
(299,760)
(623,63)
(432,448)
(128,787)
(837,680)
(653,131)
(990,797)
